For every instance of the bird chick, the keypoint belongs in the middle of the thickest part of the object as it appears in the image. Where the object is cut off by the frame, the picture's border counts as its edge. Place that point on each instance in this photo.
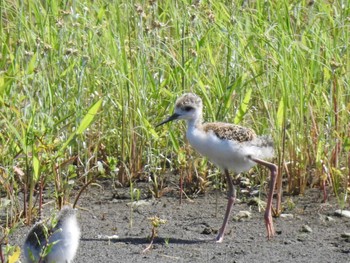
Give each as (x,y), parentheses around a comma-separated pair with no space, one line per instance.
(55,244)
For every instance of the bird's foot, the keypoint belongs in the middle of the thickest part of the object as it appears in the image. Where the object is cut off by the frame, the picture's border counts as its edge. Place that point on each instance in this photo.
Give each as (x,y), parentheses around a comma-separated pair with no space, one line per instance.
(220,237)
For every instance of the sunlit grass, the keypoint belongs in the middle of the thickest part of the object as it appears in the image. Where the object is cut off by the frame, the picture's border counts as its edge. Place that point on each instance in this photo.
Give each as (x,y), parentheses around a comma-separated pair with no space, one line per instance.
(285,62)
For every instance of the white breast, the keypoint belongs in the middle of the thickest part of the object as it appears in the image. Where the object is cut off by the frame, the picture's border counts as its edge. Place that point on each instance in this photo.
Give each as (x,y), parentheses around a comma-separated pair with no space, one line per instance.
(226,154)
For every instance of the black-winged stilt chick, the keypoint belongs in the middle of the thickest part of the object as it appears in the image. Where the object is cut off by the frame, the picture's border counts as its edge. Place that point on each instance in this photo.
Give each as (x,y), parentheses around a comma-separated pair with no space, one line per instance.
(55,244)
(229,146)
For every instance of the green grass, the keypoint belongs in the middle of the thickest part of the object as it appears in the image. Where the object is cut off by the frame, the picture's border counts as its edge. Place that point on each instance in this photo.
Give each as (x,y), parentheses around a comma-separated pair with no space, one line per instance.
(280,67)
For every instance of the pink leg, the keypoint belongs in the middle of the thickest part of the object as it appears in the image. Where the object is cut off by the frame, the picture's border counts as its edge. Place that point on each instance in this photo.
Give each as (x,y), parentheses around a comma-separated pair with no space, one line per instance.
(268,213)
(231,195)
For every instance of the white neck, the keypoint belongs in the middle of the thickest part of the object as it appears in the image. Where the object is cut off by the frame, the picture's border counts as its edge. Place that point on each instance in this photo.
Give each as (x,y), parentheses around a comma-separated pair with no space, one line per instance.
(195,122)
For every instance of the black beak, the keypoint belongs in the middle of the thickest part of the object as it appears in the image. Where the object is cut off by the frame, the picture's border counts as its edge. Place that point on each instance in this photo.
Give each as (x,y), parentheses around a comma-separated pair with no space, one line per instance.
(171,118)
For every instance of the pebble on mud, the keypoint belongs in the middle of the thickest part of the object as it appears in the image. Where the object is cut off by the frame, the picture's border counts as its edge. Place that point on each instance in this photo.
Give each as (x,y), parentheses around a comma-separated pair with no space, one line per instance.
(343,213)
(306,229)
(302,237)
(287,216)
(207,231)
(330,219)
(242,215)
(345,235)
(139,203)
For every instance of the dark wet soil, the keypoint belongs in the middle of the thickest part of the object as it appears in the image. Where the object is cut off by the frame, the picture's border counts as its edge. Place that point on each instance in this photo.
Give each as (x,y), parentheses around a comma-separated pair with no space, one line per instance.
(190,228)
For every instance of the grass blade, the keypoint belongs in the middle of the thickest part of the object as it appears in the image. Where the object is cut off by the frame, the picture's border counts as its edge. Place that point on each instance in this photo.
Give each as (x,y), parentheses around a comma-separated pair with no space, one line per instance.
(89,117)
(242,110)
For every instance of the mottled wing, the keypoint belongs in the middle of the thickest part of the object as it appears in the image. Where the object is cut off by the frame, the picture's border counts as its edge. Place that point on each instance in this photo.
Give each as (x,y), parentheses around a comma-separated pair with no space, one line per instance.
(227,131)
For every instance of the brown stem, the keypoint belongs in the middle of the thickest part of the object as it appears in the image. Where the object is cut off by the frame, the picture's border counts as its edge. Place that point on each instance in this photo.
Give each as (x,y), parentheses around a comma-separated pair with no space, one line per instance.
(41,197)
(82,190)
(152,240)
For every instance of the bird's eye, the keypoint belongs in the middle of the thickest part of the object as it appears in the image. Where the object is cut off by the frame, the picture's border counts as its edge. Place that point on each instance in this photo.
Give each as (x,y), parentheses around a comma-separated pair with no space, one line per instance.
(188,108)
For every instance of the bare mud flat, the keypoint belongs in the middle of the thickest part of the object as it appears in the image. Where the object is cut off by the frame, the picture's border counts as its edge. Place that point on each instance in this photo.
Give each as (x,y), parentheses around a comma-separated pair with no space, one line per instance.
(189,232)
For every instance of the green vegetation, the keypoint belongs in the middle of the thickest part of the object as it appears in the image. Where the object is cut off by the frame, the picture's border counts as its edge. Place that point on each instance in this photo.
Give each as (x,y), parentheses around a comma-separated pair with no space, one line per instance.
(156,222)
(82,84)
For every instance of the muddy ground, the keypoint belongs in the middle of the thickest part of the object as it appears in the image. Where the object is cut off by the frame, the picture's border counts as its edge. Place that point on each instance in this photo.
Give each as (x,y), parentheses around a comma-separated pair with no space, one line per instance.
(190,228)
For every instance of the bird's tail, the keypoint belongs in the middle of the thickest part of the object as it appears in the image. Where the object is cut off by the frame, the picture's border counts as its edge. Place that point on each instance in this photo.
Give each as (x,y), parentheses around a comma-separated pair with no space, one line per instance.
(263,147)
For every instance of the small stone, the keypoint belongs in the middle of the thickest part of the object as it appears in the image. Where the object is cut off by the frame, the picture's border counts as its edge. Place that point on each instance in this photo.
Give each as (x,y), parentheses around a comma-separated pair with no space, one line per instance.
(306,229)
(242,215)
(139,203)
(287,242)
(344,213)
(326,219)
(345,235)
(330,219)
(302,237)
(286,216)
(207,231)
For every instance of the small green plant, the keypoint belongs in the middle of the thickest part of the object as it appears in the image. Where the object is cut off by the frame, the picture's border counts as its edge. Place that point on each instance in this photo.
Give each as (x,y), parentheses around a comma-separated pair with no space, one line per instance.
(156,222)
(341,193)
(167,241)
(13,254)
(135,194)
(289,203)
(156,185)
(8,252)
